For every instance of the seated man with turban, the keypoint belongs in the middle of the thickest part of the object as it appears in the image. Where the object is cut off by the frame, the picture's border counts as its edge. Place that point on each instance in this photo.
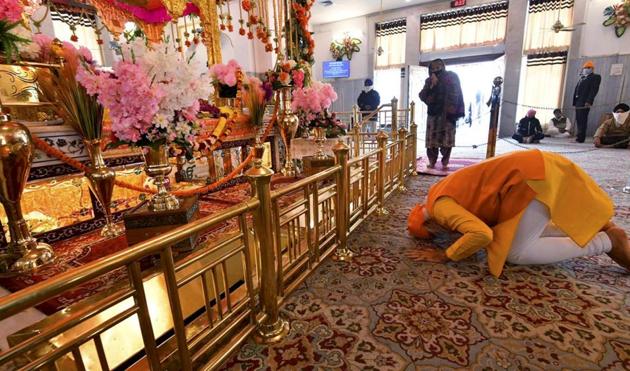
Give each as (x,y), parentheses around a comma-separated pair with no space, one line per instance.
(529,129)
(526,207)
(615,131)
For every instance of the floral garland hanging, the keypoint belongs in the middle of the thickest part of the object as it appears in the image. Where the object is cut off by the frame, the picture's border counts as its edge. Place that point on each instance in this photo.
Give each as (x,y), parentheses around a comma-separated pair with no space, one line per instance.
(618,16)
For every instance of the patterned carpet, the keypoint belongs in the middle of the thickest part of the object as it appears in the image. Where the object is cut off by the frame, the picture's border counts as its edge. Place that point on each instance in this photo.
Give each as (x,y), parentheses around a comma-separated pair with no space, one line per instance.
(393,309)
(453,165)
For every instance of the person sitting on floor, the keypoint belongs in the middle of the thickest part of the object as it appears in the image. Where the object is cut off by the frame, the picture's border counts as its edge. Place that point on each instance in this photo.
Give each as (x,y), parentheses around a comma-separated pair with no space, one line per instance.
(616,130)
(529,129)
(526,207)
(559,126)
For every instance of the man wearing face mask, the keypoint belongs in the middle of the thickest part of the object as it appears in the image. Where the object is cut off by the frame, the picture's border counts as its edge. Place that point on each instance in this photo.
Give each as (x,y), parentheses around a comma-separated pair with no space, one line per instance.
(442,93)
(368,101)
(583,97)
(616,130)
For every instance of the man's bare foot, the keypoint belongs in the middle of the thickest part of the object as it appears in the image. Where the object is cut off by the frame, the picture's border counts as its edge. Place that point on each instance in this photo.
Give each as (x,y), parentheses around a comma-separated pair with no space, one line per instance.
(431,165)
(620,252)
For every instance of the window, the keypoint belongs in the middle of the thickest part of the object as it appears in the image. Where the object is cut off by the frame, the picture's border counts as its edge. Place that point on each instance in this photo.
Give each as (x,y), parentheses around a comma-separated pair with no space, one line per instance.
(544,79)
(390,44)
(477,26)
(85,30)
(540,35)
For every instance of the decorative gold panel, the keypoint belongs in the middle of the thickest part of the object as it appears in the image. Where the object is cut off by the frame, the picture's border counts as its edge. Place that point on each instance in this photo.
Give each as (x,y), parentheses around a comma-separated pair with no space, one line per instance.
(18,84)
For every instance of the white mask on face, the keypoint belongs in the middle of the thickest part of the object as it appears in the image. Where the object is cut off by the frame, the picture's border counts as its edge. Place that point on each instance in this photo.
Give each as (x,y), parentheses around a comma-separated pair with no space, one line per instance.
(367,88)
(620,117)
(587,71)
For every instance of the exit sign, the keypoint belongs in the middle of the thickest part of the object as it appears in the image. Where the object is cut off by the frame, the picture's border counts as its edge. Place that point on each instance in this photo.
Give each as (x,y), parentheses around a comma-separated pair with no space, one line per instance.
(458,3)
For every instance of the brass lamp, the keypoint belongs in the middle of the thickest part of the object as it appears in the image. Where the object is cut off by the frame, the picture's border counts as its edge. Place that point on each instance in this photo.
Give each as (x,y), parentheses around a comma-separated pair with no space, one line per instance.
(24,253)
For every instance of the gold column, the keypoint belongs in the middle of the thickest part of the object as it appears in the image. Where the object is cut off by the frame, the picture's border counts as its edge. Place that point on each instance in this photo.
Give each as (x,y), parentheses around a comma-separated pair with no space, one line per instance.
(394,118)
(414,131)
(210,22)
(402,154)
(343,206)
(272,328)
(382,145)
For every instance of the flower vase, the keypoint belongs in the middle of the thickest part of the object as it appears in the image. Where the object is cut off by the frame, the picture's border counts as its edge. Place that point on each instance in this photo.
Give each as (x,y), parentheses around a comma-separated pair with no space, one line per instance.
(320,138)
(157,167)
(288,122)
(101,182)
(24,253)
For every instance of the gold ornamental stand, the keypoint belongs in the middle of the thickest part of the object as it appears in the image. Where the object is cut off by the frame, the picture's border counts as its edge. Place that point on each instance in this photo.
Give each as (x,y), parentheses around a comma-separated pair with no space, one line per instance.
(24,253)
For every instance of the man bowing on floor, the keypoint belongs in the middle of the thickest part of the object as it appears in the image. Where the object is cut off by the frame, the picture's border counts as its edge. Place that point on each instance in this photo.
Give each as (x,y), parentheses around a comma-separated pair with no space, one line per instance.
(528,207)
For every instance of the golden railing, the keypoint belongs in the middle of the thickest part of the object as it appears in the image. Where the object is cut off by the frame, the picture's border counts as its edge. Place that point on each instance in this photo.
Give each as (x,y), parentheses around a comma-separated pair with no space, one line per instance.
(192,311)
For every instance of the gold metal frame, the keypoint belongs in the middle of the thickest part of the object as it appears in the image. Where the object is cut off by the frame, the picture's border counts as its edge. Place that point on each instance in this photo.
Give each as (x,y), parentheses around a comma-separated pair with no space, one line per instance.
(217,296)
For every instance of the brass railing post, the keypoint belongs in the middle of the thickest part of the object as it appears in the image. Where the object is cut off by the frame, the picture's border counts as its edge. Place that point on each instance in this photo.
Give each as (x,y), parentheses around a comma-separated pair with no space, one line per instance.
(402,153)
(414,131)
(355,115)
(272,328)
(394,118)
(382,159)
(343,205)
(356,139)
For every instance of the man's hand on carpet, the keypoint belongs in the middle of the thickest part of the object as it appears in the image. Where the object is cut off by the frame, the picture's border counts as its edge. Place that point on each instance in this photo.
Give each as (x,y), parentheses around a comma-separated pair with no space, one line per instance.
(427,254)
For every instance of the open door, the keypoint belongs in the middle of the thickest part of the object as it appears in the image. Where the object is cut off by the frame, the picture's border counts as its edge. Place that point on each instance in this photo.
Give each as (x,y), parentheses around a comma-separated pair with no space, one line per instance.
(476,81)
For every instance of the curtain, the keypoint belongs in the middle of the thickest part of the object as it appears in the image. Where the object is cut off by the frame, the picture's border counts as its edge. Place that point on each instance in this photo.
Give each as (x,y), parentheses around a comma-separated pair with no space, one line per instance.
(390,44)
(85,25)
(542,85)
(477,26)
(542,15)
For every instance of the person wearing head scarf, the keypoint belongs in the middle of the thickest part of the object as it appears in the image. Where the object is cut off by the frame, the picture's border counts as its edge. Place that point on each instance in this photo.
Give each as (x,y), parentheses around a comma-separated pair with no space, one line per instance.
(442,93)
(583,97)
(369,100)
(615,131)
(559,126)
(525,207)
(529,129)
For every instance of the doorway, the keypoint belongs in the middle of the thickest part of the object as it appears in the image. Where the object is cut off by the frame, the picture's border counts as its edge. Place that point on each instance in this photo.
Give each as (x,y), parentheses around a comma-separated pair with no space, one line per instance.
(476,81)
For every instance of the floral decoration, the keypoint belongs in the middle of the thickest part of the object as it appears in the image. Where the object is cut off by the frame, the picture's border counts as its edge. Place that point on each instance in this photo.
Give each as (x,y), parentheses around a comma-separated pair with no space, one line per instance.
(289,73)
(346,47)
(152,95)
(10,17)
(304,38)
(225,78)
(311,105)
(618,16)
(256,97)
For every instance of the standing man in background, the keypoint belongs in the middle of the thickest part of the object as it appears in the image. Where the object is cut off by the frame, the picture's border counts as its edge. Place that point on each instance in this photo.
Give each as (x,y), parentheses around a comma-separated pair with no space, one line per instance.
(368,101)
(442,93)
(583,97)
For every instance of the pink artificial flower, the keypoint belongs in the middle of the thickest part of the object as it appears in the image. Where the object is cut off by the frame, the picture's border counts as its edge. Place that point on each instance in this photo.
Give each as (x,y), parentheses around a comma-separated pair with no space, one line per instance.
(44,42)
(130,97)
(191,112)
(298,78)
(11,11)
(225,73)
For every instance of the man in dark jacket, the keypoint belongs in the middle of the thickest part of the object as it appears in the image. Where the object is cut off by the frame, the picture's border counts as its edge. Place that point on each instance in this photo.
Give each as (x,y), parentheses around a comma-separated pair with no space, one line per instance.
(529,129)
(368,101)
(583,97)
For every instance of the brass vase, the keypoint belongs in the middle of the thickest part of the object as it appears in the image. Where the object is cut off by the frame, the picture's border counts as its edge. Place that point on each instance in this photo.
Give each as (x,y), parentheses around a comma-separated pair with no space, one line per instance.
(101,181)
(320,138)
(157,167)
(288,122)
(24,253)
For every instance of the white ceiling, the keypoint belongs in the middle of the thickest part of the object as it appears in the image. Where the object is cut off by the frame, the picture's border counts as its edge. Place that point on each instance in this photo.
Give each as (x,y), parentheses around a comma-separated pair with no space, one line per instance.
(344,9)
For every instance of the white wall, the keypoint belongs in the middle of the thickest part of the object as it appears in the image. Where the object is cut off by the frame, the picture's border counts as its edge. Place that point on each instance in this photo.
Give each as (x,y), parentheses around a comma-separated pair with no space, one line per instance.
(329,32)
(598,40)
